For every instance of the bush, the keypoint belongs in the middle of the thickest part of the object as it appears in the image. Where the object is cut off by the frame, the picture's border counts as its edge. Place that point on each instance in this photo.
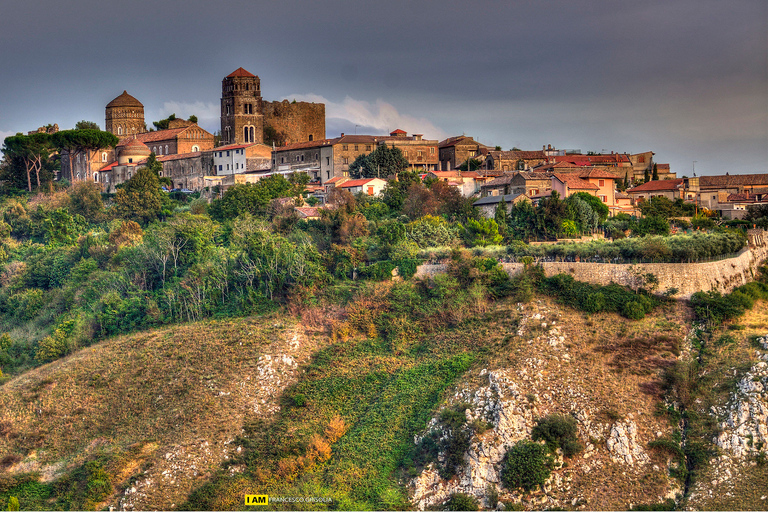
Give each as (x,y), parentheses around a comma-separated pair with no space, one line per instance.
(526,466)
(633,310)
(558,431)
(461,501)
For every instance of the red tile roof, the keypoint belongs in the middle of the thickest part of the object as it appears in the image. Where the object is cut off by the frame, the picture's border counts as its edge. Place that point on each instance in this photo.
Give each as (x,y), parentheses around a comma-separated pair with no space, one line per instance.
(573,182)
(125,100)
(241,72)
(231,146)
(398,131)
(356,183)
(306,145)
(657,185)
(615,158)
(149,137)
(733,180)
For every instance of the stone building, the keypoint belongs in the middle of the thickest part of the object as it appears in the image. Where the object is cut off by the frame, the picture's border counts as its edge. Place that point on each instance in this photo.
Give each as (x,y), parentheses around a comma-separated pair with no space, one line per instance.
(125,116)
(422,154)
(514,160)
(246,117)
(455,151)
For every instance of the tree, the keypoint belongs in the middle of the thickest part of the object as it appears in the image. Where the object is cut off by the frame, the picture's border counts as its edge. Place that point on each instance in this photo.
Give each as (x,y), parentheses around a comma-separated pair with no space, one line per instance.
(380,163)
(471,165)
(163,123)
(86,125)
(28,154)
(82,141)
(193,118)
(646,176)
(655,176)
(140,198)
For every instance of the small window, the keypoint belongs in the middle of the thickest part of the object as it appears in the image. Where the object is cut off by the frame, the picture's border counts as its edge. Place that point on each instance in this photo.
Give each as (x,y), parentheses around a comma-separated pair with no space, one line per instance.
(310,137)
(431,151)
(345,147)
(227,153)
(601,183)
(327,160)
(130,161)
(195,149)
(356,147)
(103,157)
(367,147)
(220,167)
(166,149)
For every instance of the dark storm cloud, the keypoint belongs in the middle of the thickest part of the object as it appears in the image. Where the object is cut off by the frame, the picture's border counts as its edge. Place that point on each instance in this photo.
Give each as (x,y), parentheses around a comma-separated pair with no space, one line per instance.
(686,78)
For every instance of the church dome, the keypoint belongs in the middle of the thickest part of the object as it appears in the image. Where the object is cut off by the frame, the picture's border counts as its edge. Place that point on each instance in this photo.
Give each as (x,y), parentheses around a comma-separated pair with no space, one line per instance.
(125,100)
(133,152)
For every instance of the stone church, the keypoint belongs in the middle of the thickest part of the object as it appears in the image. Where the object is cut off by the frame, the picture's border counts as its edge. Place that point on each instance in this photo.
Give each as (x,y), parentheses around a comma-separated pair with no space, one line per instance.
(247,119)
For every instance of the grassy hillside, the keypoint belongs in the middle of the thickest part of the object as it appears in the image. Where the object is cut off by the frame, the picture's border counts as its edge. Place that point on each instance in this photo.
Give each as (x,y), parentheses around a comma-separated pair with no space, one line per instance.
(198,415)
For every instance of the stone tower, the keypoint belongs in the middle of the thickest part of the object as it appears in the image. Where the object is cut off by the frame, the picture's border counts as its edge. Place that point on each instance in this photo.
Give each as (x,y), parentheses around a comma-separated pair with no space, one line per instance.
(125,116)
(242,116)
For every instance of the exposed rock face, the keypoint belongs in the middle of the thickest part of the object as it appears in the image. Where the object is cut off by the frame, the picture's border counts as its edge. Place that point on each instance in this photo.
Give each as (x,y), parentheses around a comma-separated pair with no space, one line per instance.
(623,444)
(744,430)
(511,400)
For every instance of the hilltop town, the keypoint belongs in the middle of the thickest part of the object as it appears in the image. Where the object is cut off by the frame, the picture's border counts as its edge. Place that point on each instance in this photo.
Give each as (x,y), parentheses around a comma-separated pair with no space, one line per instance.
(260,138)
(194,320)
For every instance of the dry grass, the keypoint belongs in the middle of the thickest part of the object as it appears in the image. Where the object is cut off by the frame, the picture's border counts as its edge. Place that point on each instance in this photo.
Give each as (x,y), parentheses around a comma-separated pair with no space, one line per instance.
(146,395)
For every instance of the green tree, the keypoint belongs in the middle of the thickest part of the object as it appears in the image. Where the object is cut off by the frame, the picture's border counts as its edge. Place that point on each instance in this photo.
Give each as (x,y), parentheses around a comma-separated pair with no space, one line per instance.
(84,141)
(472,164)
(482,232)
(163,123)
(86,125)
(597,205)
(85,199)
(380,163)
(193,118)
(526,466)
(140,199)
(28,155)
(655,176)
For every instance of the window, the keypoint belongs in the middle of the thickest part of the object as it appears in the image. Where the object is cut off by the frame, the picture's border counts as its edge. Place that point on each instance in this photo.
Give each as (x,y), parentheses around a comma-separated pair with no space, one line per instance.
(310,137)
(220,167)
(603,198)
(431,151)
(356,147)
(302,158)
(345,147)
(227,166)
(119,130)
(405,154)
(641,159)
(195,149)
(345,160)
(245,133)
(418,153)
(601,183)
(130,161)
(251,139)
(96,177)
(154,149)
(103,157)
(370,190)
(367,147)
(327,160)
(166,149)
(227,153)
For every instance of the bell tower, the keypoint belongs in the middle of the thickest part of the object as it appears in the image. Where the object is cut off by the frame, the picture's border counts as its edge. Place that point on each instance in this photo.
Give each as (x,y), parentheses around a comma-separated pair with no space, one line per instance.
(242,115)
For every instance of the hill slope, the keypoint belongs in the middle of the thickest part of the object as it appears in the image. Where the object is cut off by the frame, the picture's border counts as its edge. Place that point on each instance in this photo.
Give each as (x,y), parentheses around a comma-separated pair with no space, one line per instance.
(146,421)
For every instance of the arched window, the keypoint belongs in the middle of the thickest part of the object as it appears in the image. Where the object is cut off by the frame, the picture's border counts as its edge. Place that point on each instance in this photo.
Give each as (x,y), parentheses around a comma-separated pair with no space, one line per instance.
(245,133)
(251,139)
(104,157)
(195,149)
(119,130)
(166,149)
(154,149)
(310,137)
(96,177)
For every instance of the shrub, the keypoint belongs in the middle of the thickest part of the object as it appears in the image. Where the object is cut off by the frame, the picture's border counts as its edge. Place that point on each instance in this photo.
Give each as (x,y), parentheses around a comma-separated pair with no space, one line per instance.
(526,466)
(633,310)
(558,431)
(461,501)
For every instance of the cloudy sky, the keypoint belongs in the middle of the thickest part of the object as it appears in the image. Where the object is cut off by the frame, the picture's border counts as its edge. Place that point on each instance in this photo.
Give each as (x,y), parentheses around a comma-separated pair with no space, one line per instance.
(687,79)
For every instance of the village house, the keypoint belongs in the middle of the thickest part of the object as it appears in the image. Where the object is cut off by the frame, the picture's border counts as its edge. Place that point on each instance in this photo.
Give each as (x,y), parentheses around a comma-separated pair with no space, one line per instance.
(510,161)
(455,151)
(467,183)
(368,186)
(671,189)
(487,205)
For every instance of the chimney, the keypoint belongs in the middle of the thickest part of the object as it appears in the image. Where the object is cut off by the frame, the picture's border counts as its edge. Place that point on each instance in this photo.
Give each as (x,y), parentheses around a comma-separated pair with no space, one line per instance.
(342,134)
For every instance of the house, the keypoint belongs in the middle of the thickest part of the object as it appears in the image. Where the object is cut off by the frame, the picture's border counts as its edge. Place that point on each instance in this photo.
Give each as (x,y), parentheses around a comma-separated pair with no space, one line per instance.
(467,183)
(455,151)
(487,205)
(711,191)
(235,158)
(421,153)
(671,189)
(369,186)
(510,161)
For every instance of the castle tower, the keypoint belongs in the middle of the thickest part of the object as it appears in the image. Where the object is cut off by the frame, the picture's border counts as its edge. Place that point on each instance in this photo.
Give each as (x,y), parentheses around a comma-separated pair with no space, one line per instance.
(242,117)
(125,116)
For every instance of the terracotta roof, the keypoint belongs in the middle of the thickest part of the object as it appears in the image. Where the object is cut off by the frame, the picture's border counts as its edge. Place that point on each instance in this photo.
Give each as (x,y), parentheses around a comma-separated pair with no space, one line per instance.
(241,72)
(598,173)
(231,146)
(336,179)
(398,131)
(134,143)
(573,182)
(733,180)
(180,156)
(125,100)
(662,166)
(347,139)
(452,141)
(306,212)
(517,155)
(447,174)
(594,159)
(502,180)
(108,167)
(149,137)
(307,145)
(657,185)
(355,183)
(532,175)
(621,195)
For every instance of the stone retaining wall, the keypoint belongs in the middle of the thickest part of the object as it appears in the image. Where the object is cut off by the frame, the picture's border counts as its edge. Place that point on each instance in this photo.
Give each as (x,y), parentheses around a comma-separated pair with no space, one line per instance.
(687,278)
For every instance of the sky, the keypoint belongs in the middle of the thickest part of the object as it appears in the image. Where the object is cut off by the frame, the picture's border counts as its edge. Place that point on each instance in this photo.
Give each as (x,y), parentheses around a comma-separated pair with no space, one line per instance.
(686,79)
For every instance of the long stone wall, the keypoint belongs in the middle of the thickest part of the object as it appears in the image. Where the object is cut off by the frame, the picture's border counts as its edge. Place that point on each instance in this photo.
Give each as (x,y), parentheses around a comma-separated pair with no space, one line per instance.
(687,278)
